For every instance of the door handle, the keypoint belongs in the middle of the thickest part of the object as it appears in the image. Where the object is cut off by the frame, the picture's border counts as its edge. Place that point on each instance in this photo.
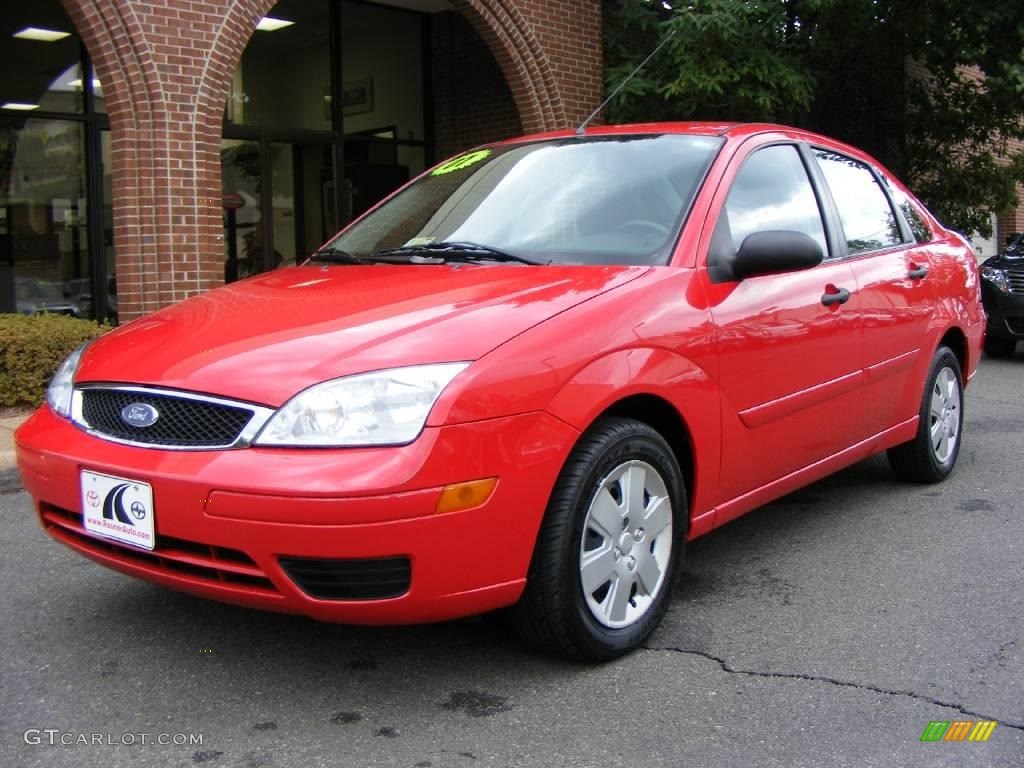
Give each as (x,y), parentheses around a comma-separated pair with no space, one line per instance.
(834,295)
(917,272)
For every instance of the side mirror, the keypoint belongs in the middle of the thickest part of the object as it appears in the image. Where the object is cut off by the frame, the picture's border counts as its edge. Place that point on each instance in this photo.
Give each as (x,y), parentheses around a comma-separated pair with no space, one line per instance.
(764,253)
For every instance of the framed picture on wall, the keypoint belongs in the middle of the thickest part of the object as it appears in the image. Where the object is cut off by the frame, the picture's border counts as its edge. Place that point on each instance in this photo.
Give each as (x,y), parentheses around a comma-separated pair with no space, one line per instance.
(357,96)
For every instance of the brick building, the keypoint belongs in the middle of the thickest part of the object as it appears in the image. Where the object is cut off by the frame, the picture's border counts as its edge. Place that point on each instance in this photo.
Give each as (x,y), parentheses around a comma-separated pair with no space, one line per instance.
(151,149)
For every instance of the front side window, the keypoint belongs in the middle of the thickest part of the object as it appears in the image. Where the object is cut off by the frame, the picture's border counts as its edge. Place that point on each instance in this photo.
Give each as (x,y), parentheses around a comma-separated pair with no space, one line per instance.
(864,210)
(771,192)
(591,200)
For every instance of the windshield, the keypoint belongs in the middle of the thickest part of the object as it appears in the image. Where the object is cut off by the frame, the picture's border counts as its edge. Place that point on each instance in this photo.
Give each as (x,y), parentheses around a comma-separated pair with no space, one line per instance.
(590,200)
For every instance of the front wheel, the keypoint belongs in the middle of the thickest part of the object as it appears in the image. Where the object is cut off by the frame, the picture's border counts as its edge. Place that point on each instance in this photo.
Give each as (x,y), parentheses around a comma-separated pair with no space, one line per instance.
(931,455)
(606,555)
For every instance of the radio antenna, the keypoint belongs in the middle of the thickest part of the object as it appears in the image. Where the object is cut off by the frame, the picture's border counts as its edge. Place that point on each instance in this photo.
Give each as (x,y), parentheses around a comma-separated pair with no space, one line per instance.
(583,126)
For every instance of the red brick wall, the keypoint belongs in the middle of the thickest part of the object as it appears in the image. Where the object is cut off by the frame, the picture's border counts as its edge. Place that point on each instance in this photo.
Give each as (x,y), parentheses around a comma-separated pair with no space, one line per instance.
(472,102)
(1011,222)
(166,67)
(549,52)
(569,31)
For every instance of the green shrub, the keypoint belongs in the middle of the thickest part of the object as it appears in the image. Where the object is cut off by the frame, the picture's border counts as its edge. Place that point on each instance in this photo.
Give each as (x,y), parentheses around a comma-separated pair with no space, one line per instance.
(31,349)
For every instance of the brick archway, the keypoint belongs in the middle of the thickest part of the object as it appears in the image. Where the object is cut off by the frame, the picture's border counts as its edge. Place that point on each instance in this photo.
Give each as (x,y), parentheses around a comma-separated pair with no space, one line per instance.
(522,60)
(167,66)
(166,71)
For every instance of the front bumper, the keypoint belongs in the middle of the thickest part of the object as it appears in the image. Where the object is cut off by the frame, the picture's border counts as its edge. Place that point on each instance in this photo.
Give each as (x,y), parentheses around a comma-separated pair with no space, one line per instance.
(225,519)
(1005,312)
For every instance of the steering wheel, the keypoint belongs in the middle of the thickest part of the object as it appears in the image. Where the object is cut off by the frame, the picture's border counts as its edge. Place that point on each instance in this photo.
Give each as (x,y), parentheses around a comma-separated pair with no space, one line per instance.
(644,224)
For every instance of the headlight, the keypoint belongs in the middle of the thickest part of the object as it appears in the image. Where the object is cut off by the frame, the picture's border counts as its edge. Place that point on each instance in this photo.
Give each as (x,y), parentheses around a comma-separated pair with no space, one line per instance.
(58,394)
(381,408)
(997,277)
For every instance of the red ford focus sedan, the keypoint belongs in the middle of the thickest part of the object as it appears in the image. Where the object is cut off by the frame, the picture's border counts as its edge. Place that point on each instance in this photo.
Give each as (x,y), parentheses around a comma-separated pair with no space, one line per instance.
(525,380)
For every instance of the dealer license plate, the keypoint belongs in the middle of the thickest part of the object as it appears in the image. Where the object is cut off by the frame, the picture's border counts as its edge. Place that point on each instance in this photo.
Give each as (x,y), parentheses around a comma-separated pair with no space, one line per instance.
(118,508)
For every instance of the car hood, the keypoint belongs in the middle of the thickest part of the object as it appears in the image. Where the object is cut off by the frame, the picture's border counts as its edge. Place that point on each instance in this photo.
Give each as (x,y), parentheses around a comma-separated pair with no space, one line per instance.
(1008,258)
(266,338)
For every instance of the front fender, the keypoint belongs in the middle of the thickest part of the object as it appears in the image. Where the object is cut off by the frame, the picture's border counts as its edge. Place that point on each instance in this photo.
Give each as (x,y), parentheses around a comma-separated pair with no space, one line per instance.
(664,374)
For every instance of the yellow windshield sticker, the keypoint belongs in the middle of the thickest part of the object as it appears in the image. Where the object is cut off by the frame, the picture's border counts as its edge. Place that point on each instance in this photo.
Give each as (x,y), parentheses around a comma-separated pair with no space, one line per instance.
(460,162)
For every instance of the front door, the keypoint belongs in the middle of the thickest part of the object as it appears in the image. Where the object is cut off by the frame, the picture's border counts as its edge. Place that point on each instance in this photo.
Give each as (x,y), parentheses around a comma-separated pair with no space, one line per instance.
(789,349)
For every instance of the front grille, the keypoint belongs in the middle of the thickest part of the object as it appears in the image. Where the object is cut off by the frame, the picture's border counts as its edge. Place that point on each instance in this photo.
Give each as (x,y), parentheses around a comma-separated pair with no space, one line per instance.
(369,579)
(1015,277)
(183,422)
(218,565)
(1015,324)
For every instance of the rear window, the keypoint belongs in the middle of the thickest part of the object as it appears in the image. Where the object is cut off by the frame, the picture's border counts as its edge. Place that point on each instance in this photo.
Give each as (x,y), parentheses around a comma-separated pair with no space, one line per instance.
(864,211)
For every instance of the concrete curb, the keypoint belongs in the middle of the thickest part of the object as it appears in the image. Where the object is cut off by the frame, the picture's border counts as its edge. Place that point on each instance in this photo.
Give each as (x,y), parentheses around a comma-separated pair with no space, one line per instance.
(10,482)
(7,427)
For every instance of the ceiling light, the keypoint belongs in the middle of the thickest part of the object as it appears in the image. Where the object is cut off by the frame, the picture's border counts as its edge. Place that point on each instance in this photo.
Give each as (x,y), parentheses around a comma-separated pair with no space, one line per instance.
(43,35)
(96,84)
(19,106)
(270,24)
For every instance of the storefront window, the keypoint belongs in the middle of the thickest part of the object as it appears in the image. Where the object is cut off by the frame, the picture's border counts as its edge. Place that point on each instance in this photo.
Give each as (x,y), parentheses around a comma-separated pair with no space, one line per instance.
(56,244)
(295,163)
(285,75)
(241,169)
(108,227)
(41,58)
(381,70)
(44,244)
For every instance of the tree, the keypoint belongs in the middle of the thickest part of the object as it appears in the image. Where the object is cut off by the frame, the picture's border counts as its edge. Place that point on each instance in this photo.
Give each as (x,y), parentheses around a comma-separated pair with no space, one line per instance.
(839,67)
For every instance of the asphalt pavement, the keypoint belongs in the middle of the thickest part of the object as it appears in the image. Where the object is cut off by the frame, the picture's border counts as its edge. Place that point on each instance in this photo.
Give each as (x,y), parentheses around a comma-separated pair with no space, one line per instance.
(826,629)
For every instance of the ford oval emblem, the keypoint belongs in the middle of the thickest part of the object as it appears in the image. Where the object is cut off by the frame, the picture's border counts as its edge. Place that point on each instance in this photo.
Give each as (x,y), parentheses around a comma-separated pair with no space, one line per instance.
(139,415)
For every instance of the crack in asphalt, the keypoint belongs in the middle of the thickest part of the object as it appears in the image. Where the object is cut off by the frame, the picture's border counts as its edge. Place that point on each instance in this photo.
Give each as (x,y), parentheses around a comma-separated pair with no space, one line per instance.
(833,681)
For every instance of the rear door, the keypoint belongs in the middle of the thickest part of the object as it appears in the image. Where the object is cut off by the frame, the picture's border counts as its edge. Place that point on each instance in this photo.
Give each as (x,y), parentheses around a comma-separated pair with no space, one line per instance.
(896,291)
(789,352)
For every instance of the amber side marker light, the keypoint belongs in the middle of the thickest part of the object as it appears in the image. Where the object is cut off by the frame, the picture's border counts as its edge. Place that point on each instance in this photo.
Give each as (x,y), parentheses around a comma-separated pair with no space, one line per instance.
(459,496)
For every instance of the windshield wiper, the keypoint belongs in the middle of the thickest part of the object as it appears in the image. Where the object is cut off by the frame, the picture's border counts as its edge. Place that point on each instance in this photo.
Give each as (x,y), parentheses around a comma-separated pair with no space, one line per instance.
(336,256)
(451,250)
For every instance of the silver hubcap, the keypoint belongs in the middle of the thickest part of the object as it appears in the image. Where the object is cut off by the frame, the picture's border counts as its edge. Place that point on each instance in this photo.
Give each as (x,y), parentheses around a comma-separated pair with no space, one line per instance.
(627,543)
(945,415)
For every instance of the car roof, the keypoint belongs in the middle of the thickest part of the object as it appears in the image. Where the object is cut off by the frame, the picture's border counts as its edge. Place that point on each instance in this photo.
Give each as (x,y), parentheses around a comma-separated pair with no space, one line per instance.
(698,128)
(734,133)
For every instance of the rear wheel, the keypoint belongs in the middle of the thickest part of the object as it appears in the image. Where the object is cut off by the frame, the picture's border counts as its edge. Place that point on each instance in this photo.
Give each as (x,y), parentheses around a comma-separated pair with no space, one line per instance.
(605,559)
(932,454)
(996,346)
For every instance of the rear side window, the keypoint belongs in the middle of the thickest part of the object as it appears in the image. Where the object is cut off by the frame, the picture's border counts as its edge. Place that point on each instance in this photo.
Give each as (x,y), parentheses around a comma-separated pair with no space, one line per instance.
(771,192)
(864,211)
(915,220)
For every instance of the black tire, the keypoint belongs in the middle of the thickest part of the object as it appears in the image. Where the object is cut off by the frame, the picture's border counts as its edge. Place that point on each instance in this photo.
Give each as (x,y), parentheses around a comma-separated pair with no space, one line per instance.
(553,613)
(918,461)
(998,347)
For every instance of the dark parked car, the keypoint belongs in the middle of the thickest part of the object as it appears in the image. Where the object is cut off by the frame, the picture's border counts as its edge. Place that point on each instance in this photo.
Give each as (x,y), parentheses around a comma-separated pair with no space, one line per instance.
(1002,292)
(35,296)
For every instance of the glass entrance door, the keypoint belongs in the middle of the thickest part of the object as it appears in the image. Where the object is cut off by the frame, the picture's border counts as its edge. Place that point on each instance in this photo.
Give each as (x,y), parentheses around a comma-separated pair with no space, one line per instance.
(314,198)
(278,200)
(242,201)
